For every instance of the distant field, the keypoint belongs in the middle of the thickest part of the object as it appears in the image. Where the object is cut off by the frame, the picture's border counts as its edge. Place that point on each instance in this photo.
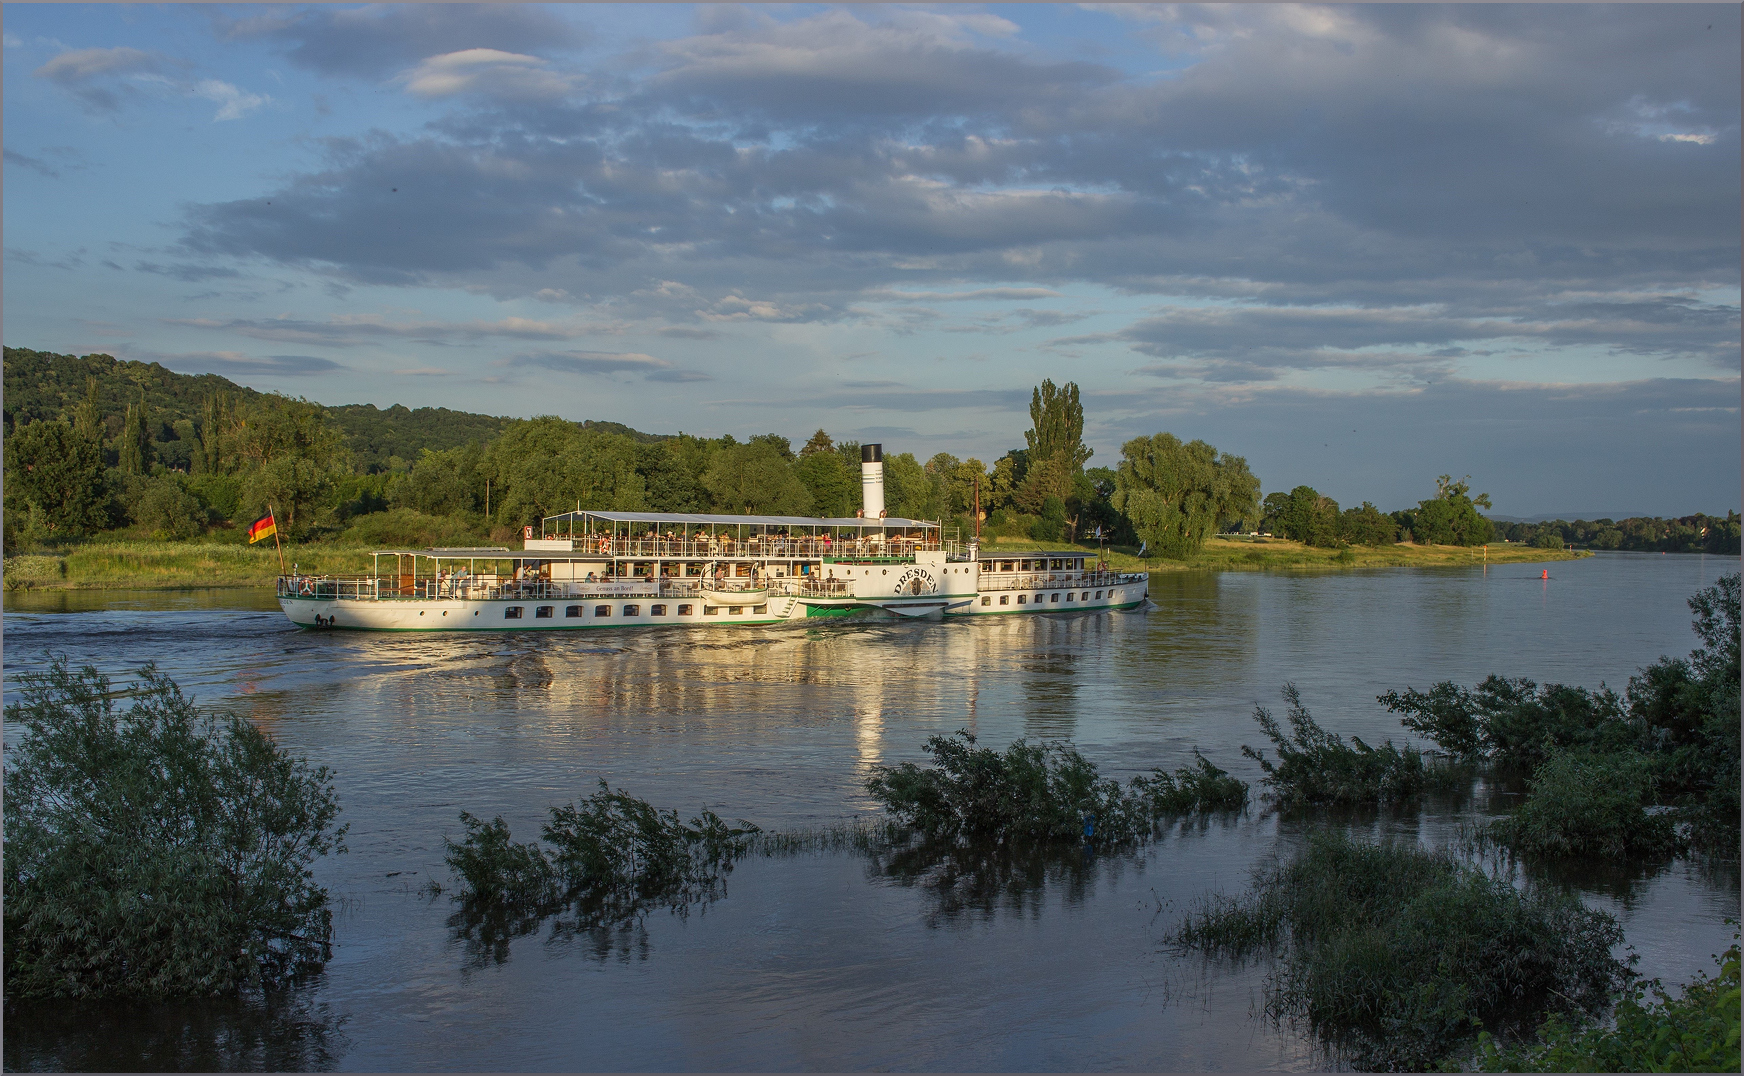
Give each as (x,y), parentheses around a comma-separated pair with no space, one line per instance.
(176,565)
(1237,554)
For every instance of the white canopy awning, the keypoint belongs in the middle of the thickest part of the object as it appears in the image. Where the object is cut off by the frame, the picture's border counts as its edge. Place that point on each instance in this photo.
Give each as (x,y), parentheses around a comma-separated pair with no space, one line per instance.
(689,519)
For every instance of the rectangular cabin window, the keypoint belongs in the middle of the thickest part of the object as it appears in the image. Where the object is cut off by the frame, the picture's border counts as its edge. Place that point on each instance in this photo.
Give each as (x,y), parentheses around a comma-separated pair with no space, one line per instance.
(632,610)
(572,610)
(1005,566)
(1005,599)
(602,610)
(1099,594)
(759,608)
(1056,598)
(1020,599)
(685,610)
(711,610)
(657,610)
(735,610)
(513,612)
(543,612)
(986,601)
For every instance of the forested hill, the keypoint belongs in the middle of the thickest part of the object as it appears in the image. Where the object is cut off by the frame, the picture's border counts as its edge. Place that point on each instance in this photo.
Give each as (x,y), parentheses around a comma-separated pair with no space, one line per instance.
(43,385)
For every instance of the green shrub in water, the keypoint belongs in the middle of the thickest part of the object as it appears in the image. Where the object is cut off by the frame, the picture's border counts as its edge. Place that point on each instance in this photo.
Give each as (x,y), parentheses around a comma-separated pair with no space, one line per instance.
(1513,721)
(1038,792)
(159,850)
(1400,956)
(1697,1032)
(1583,804)
(1199,787)
(495,871)
(1317,768)
(1679,716)
(612,858)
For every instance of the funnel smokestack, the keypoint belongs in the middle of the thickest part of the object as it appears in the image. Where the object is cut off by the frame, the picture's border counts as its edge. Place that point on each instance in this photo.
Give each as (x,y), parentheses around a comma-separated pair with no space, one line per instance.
(872,480)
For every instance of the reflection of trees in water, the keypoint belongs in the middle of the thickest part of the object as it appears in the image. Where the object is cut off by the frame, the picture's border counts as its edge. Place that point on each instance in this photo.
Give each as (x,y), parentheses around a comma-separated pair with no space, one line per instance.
(603,924)
(280,1032)
(979,880)
(1202,632)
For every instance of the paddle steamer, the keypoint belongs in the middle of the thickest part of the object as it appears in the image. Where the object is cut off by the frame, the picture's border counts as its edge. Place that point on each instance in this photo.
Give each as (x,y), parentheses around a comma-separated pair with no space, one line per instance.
(587,569)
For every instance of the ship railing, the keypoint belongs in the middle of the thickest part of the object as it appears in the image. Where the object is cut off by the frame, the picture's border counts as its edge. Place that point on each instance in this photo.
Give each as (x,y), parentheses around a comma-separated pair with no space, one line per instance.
(811,586)
(472,588)
(798,548)
(1053,580)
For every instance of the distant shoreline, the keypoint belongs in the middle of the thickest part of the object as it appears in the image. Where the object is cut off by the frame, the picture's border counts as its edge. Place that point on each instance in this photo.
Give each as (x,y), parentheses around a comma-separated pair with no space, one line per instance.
(147,565)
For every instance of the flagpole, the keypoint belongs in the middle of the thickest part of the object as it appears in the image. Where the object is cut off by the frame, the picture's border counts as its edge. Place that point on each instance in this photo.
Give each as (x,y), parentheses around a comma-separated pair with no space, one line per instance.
(274,513)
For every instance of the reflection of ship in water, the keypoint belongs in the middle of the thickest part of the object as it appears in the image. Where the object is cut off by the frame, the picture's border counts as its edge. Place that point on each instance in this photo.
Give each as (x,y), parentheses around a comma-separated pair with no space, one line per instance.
(643,569)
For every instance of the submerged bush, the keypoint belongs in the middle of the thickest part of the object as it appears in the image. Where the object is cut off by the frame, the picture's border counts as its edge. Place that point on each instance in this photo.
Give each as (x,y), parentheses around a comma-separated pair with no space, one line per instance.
(613,859)
(1318,768)
(1199,787)
(156,851)
(1697,1032)
(1592,805)
(495,871)
(1679,716)
(615,854)
(1400,956)
(1038,792)
(1514,722)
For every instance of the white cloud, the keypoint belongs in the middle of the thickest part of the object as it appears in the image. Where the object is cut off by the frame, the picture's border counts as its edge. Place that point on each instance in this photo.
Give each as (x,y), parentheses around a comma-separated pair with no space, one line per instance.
(233,104)
(82,64)
(487,71)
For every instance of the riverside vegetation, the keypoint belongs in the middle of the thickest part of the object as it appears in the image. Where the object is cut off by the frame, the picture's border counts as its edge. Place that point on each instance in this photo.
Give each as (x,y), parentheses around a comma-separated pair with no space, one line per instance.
(124,473)
(158,850)
(1399,956)
(188,836)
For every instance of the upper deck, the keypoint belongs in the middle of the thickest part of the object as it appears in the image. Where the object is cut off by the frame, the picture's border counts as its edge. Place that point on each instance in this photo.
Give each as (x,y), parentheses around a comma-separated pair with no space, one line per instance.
(699,536)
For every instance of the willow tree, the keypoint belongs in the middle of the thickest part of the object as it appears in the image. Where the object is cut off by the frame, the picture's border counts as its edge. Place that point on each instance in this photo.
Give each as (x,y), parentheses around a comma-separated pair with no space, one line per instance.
(1177,495)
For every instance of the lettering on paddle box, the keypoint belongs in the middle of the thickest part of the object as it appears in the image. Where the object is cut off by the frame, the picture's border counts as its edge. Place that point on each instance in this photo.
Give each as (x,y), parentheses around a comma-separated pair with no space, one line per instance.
(916,581)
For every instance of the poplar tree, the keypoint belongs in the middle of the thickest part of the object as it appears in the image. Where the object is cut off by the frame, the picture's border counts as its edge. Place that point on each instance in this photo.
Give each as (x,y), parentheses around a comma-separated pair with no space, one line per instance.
(88,416)
(1056,452)
(135,443)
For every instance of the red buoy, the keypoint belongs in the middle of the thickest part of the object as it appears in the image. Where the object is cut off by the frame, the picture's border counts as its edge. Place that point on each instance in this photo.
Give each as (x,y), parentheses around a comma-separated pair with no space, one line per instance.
(1546,574)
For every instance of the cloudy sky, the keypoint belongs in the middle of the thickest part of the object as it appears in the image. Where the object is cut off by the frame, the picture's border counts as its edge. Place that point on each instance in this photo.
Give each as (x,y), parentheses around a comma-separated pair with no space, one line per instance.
(1361,246)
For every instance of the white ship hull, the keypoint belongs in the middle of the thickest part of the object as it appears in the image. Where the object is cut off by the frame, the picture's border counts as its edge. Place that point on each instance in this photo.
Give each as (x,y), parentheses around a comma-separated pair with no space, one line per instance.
(550,613)
(632,569)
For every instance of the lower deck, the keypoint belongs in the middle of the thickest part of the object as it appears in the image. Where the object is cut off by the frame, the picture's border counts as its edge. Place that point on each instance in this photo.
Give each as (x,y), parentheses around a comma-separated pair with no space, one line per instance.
(541,611)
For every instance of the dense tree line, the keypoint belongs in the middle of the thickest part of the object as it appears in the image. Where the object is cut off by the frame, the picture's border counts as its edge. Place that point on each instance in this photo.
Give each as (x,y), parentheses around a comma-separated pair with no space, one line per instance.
(1451,517)
(94,444)
(1641,534)
(169,408)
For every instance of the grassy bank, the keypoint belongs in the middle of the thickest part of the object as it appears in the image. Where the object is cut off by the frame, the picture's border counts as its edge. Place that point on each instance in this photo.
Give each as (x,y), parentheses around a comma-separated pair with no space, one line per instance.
(148,564)
(1232,553)
(141,563)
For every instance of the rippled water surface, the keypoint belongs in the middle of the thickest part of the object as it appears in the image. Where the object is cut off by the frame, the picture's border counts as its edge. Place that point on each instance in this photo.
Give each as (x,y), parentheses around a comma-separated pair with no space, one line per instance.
(832,960)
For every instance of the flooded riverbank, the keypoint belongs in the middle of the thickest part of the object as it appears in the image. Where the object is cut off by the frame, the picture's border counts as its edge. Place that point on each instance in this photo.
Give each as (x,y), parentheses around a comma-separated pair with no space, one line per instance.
(831,959)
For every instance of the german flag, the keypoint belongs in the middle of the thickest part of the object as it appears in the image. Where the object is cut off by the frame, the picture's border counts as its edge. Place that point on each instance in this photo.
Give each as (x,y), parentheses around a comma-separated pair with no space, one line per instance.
(264,527)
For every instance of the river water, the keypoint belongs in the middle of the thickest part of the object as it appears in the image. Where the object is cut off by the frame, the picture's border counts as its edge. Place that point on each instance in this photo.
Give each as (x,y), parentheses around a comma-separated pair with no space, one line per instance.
(832,959)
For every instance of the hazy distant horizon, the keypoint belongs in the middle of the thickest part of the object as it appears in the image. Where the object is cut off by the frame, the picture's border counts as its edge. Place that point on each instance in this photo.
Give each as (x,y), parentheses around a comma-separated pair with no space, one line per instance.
(1360,246)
